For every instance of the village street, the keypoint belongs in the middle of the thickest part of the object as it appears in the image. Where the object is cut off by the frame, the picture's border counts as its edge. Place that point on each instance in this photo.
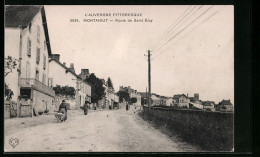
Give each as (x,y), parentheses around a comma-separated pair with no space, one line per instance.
(101,131)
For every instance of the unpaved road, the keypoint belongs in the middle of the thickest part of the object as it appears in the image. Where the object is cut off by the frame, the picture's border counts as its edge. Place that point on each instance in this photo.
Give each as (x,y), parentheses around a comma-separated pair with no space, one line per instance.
(104,131)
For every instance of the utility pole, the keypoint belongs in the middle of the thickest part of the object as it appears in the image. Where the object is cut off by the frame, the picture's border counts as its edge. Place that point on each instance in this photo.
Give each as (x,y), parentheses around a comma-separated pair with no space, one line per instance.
(149,81)
(146,96)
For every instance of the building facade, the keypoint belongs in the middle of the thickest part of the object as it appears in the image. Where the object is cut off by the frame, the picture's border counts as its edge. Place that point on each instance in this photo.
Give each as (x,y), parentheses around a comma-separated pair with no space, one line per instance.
(209,105)
(132,93)
(66,76)
(224,105)
(27,39)
(169,102)
(181,100)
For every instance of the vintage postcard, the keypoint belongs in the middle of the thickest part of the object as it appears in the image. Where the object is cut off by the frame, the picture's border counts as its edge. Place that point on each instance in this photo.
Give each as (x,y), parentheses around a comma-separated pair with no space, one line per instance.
(118,78)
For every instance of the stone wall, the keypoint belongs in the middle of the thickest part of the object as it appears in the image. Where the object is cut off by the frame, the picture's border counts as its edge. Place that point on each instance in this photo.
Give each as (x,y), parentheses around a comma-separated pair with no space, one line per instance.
(210,130)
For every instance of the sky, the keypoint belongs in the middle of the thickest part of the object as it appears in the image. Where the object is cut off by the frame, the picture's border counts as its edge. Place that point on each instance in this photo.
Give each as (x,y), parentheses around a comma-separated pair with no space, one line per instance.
(191,53)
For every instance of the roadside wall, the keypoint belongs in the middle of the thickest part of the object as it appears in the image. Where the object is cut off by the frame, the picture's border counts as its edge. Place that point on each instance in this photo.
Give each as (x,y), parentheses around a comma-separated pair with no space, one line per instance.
(211,130)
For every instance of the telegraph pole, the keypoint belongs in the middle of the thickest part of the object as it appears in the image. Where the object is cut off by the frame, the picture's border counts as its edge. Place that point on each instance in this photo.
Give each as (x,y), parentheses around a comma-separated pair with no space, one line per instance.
(146,98)
(149,81)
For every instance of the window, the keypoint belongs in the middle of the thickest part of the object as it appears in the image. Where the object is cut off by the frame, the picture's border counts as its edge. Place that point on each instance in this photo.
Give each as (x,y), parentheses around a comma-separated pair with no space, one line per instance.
(44,45)
(44,62)
(28,69)
(30,27)
(29,44)
(37,75)
(50,82)
(44,79)
(38,34)
(38,56)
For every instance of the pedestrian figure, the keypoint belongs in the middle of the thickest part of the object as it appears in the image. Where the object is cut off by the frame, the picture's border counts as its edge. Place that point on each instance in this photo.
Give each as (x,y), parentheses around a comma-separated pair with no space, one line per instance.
(127,107)
(85,107)
(63,110)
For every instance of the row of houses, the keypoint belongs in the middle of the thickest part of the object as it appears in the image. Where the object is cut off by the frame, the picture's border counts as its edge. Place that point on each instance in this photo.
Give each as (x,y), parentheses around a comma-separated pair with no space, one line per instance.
(39,70)
(184,101)
(132,93)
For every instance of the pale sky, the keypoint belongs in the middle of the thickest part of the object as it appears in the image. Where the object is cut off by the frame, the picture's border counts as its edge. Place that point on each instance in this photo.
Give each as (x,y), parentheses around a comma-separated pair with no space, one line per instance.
(198,60)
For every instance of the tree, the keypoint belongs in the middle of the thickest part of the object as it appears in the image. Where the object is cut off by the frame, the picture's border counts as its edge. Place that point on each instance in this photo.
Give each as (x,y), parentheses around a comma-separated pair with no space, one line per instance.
(65,91)
(123,95)
(109,83)
(133,100)
(8,92)
(97,89)
(10,64)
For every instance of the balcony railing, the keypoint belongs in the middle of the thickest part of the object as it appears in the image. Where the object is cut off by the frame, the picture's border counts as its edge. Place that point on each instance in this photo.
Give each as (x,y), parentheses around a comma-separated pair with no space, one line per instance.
(33,83)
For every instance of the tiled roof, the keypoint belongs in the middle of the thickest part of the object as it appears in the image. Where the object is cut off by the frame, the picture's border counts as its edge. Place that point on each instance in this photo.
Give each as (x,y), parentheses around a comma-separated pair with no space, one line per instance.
(191,98)
(225,102)
(208,103)
(73,73)
(22,15)
(177,96)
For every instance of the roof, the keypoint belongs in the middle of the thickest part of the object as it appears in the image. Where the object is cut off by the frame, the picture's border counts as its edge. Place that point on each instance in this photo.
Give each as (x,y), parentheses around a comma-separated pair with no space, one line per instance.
(208,103)
(191,98)
(196,105)
(22,15)
(143,94)
(16,16)
(225,102)
(73,73)
(177,96)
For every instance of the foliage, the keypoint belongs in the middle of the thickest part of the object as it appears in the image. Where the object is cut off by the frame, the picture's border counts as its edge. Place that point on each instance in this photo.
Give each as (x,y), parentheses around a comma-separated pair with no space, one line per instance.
(109,83)
(65,91)
(133,100)
(10,64)
(123,95)
(8,92)
(97,89)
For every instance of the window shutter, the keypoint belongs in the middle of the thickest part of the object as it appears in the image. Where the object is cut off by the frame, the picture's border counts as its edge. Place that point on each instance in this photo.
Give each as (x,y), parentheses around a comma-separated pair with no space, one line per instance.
(38,56)
(29,47)
(44,62)
(38,34)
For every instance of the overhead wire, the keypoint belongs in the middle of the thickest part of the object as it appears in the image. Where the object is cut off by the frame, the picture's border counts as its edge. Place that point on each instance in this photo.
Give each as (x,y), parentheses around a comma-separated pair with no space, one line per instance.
(175,22)
(186,34)
(183,22)
(185,27)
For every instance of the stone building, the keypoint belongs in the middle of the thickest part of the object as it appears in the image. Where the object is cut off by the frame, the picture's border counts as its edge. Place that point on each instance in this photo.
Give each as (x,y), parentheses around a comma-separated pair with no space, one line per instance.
(225,105)
(132,93)
(27,40)
(62,75)
(181,100)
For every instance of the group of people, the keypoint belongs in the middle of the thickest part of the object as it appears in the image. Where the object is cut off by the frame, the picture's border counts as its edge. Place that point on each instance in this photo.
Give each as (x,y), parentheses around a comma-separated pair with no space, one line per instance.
(63,108)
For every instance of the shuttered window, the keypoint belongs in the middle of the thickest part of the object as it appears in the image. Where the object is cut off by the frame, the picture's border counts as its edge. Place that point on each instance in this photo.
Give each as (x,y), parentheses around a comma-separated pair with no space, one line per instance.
(38,34)
(44,62)
(38,56)
(29,44)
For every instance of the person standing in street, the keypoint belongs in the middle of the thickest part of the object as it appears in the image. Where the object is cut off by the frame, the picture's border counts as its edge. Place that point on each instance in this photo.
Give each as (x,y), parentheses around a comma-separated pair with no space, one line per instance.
(85,107)
(63,110)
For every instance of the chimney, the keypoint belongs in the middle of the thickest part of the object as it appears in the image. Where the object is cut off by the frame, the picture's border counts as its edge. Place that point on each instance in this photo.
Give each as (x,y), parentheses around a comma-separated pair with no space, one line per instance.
(56,57)
(64,63)
(72,67)
(84,73)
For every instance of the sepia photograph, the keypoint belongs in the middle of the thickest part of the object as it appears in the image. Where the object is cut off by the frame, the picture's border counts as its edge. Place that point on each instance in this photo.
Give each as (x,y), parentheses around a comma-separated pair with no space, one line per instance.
(119,78)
